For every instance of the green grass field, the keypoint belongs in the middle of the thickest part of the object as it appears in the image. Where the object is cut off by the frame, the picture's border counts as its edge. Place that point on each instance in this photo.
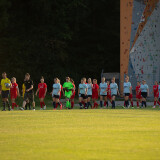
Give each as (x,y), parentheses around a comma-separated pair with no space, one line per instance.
(80,134)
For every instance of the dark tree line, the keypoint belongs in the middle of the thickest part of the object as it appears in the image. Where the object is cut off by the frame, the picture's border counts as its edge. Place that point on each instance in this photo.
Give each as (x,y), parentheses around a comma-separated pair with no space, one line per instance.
(59,38)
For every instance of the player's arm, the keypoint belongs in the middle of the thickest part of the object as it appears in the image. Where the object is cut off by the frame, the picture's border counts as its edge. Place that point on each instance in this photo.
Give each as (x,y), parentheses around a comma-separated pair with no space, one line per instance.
(59,89)
(117,90)
(18,91)
(86,91)
(37,91)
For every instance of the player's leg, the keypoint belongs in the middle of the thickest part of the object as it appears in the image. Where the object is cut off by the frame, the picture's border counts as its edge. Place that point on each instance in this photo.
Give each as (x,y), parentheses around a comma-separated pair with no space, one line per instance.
(113,102)
(131,100)
(31,100)
(13,103)
(80,102)
(126,97)
(101,101)
(85,101)
(106,100)
(137,100)
(41,102)
(89,101)
(54,103)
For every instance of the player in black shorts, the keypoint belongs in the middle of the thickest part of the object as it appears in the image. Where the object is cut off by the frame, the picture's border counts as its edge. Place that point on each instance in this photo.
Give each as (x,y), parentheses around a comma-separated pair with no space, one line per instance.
(29,94)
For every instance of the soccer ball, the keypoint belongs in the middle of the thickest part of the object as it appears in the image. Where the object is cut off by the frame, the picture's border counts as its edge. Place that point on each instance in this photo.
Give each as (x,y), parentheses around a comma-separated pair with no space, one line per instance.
(7,85)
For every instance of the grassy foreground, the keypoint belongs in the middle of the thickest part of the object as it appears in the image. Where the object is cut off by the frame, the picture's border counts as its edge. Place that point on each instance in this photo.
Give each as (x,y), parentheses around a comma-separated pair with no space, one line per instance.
(80,134)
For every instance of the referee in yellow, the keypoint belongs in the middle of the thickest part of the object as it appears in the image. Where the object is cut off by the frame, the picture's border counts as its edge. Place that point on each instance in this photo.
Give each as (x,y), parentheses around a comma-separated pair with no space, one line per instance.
(5,90)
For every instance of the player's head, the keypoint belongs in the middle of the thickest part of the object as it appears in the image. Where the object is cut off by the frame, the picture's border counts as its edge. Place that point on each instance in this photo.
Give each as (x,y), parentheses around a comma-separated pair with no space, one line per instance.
(156,83)
(55,80)
(13,80)
(108,82)
(126,79)
(89,80)
(4,75)
(84,79)
(42,79)
(94,81)
(67,79)
(72,80)
(138,83)
(27,76)
(113,79)
(103,79)
(144,81)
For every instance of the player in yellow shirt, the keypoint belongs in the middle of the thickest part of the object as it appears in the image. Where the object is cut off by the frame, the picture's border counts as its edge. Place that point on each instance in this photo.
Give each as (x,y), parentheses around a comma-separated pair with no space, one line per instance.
(5,90)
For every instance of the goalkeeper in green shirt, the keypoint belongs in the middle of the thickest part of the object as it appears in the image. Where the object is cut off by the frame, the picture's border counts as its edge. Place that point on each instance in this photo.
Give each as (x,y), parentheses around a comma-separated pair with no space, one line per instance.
(68,88)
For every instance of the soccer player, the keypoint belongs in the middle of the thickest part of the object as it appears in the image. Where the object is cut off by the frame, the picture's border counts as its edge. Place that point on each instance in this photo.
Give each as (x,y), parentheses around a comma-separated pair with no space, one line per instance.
(14,91)
(85,81)
(73,93)
(89,92)
(68,87)
(42,89)
(108,94)
(4,91)
(114,91)
(126,91)
(56,93)
(156,94)
(138,94)
(144,93)
(95,93)
(82,92)
(103,91)
(29,95)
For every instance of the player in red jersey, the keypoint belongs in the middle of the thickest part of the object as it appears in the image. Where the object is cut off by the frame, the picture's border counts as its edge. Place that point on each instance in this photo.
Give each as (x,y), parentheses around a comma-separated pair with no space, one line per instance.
(156,94)
(73,94)
(42,89)
(108,94)
(14,91)
(138,94)
(95,93)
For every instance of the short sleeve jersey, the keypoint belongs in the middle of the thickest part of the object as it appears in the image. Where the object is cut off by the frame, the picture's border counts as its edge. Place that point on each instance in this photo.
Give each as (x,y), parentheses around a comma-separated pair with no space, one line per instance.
(114,88)
(14,88)
(42,87)
(82,88)
(56,88)
(126,87)
(3,84)
(28,85)
(89,92)
(103,88)
(144,87)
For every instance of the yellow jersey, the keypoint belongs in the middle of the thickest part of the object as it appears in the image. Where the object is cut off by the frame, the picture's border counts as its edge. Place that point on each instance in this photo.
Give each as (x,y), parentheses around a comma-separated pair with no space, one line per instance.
(3,84)
(23,90)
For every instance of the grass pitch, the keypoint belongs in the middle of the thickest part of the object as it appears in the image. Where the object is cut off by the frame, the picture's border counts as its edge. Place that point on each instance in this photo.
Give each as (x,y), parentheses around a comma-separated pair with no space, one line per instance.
(80,134)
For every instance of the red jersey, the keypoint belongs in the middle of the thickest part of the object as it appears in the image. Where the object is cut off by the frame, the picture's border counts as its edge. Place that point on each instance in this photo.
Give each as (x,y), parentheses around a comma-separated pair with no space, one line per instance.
(13,89)
(156,91)
(108,90)
(138,91)
(42,87)
(73,91)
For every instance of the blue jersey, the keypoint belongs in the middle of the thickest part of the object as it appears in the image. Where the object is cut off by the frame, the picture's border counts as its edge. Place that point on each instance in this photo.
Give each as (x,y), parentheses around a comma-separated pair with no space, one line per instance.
(103,88)
(126,87)
(144,87)
(56,88)
(82,88)
(89,92)
(114,88)
(159,90)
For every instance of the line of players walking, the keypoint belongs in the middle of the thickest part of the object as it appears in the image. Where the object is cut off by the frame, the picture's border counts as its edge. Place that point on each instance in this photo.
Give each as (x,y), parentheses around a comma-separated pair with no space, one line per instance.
(87,91)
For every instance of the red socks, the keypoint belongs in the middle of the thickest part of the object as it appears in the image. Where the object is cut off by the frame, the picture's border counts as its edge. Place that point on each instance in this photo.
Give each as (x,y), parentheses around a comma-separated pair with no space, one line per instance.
(154,103)
(137,104)
(132,103)
(42,104)
(14,104)
(72,105)
(105,103)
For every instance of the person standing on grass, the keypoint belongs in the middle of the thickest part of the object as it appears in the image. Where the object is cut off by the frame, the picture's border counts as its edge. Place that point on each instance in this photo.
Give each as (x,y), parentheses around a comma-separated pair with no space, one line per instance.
(68,87)
(114,92)
(82,92)
(14,91)
(109,97)
(156,94)
(4,91)
(29,94)
(73,93)
(144,93)
(42,89)
(103,91)
(138,94)
(56,93)
(126,91)
(89,92)
(95,93)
